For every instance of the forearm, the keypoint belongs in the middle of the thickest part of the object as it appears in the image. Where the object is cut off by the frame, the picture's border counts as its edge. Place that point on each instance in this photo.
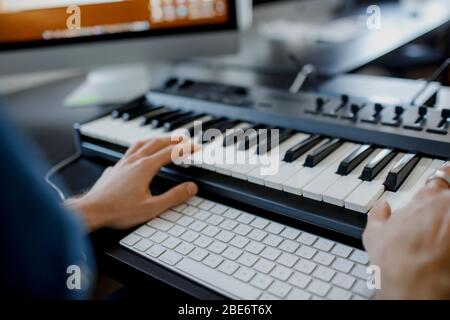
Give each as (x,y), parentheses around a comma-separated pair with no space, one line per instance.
(89,213)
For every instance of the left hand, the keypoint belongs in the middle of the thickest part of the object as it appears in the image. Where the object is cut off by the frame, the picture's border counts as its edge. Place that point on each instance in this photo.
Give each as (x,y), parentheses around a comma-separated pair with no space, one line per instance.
(121,198)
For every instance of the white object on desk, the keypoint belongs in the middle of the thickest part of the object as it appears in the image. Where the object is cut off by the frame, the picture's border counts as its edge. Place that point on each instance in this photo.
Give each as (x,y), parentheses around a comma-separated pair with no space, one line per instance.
(111,86)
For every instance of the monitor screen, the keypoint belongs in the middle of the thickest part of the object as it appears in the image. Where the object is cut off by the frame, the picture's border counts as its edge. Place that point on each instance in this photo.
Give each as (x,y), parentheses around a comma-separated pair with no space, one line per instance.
(36,23)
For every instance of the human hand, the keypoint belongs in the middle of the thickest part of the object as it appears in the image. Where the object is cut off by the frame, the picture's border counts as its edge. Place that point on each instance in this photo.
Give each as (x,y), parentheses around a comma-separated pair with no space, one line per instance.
(121,198)
(412,247)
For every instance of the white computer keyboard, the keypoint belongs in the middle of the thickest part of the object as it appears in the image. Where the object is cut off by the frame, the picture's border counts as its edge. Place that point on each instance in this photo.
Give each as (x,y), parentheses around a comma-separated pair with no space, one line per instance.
(243,256)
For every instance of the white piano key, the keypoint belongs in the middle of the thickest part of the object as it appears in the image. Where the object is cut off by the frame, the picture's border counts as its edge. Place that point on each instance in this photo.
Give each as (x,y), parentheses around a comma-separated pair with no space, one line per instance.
(256,176)
(287,170)
(367,193)
(323,181)
(296,183)
(247,160)
(341,189)
(412,184)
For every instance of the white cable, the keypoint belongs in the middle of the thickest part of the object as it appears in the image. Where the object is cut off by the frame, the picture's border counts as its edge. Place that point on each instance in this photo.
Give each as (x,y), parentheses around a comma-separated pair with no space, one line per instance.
(58,167)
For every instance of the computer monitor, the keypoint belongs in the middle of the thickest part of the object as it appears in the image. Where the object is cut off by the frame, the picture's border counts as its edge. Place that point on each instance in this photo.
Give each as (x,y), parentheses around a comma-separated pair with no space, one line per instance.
(53,34)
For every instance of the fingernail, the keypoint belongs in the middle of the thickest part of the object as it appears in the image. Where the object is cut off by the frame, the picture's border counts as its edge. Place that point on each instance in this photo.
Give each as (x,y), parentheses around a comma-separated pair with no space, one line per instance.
(192,189)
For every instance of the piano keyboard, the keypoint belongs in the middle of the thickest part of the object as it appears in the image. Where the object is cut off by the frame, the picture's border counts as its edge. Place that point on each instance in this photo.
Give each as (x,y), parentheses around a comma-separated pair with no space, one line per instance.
(320,171)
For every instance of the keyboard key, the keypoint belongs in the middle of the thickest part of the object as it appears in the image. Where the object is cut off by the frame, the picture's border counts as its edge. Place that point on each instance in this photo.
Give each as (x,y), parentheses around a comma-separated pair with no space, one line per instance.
(264,265)
(374,167)
(244,274)
(289,246)
(171,242)
(190,210)
(270,253)
(324,273)
(287,260)
(160,224)
(215,219)
(257,235)
(307,238)
(306,252)
(232,213)
(155,251)
(273,240)
(323,258)
(177,231)
(242,229)
(218,209)
(245,218)
(218,279)
(305,266)
(195,201)
(247,259)
(322,152)
(224,236)
(202,215)
(211,231)
(339,294)
(279,289)
(239,242)
(184,248)
(342,250)
(171,216)
(228,224)
(159,237)
(198,254)
(170,257)
(145,231)
(228,267)
(360,257)
(290,233)
(301,148)
(217,247)
(401,171)
(203,241)
(255,247)
(179,208)
(342,265)
(198,226)
(232,253)
(361,288)
(143,245)
(185,221)
(261,281)
(354,159)
(324,244)
(206,205)
(212,260)
(319,288)
(300,280)
(296,294)
(360,272)
(274,228)
(343,280)
(281,273)
(260,223)
(190,236)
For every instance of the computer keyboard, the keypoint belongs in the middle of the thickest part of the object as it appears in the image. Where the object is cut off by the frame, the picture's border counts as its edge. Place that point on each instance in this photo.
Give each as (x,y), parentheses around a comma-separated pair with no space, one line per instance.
(244,256)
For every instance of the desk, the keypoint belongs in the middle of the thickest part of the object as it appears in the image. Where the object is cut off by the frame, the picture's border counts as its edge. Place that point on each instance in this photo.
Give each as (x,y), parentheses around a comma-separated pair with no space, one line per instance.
(39,112)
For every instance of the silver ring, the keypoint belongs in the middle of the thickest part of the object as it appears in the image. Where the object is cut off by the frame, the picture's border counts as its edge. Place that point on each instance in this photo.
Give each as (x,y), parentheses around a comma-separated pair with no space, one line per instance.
(441,175)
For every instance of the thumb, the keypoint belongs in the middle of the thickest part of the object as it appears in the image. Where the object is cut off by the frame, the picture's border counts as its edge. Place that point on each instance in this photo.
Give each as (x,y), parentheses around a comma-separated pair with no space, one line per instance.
(174,196)
(376,219)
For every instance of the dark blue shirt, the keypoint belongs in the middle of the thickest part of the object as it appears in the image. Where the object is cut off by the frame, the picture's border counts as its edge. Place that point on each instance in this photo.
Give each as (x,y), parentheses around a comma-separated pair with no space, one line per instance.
(44,249)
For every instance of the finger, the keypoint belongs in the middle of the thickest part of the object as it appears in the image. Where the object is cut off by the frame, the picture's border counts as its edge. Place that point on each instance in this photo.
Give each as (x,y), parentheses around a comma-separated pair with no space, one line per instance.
(163,157)
(135,147)
(435,186)
(376,218)
(173,197)
(150,147)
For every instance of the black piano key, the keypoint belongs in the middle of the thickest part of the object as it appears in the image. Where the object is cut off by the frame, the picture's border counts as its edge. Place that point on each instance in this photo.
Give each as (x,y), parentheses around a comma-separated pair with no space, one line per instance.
(322,152)
(158,122)
(135,113)
(354,159)
(148,117)
(401,171)
(137,103)
(216,124)
(301,148)
(251,138)
(267,145)
(234,137)
(179,122)
(374,167)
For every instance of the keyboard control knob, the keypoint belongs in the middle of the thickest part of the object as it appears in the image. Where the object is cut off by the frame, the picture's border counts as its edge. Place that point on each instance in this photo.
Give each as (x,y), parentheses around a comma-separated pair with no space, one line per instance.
(344,99)
(171,83)
(355,109)
(320,102)
(445,114)
(378,108)
(399,111)
(183,84)
(423,111)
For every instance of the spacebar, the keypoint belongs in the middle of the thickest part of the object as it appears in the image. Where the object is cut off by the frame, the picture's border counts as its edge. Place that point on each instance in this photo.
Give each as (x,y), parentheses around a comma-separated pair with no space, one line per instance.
(218,279)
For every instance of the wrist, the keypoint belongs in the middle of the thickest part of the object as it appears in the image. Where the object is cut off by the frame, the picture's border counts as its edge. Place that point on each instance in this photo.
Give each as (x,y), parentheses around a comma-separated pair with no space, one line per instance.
(88,211)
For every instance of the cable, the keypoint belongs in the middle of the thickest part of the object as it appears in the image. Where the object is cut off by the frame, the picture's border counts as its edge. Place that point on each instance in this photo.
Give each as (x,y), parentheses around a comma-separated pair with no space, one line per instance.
(439,71)
(57,168)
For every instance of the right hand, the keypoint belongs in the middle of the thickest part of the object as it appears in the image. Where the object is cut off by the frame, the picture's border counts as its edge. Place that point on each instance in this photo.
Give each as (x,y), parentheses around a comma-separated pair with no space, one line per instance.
(412,248)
